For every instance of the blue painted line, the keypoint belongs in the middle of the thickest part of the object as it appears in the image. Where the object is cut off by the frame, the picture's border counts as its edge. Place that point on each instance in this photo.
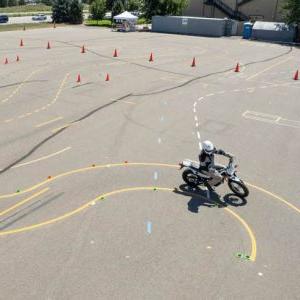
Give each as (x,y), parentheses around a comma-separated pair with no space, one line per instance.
(149,227)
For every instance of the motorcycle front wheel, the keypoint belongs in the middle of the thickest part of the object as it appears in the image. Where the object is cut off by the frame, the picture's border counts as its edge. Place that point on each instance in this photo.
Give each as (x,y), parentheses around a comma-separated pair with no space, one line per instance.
(239,188)
(190,178)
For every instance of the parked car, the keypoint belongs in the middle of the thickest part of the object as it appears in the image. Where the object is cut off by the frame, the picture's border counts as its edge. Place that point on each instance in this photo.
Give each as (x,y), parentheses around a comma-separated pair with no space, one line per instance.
(39,18)
(3,19)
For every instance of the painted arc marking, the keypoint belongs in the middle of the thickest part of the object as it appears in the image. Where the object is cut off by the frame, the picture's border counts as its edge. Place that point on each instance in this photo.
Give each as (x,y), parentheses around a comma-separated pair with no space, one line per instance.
(103,196)
(149,227)
(274,196)
(23,202)
(96,167)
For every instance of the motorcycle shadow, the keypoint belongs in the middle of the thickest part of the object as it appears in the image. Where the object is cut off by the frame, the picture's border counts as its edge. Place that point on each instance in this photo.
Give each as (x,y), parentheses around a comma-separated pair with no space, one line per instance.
(200,197)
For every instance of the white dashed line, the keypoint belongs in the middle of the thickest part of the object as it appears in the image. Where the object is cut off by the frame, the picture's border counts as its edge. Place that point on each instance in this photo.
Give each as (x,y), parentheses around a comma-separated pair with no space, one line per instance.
(196,118)
(198,135)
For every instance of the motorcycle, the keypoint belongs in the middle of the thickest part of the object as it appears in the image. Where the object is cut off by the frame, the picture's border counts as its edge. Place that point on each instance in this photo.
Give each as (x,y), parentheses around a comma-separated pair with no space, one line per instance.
(194,178)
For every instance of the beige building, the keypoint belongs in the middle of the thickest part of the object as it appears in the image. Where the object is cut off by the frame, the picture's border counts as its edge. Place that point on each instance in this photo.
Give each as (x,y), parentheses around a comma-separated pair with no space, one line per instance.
(267,10)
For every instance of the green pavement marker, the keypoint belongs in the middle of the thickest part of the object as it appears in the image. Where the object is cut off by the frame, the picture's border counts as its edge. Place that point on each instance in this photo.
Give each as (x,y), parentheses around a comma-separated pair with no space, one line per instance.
(242,256)
(18,191)
(155,189)
(102,198)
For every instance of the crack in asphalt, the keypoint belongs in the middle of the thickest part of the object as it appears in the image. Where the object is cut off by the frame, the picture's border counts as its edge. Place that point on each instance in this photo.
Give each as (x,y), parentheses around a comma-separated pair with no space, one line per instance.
(40,144)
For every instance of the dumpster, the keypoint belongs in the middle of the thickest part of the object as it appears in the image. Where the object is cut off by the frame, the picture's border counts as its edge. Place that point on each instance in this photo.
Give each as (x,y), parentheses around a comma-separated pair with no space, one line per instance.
(247,30)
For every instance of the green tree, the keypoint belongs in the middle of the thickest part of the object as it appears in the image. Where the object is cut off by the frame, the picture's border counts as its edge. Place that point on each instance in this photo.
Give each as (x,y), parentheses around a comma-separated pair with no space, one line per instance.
(134,5)
(109,4)
(75,12)
(118,7)
(151,8)
(98,9)
(12,2)
(172,7)
(292,14)
(164,7)
(60,11)
(3,3)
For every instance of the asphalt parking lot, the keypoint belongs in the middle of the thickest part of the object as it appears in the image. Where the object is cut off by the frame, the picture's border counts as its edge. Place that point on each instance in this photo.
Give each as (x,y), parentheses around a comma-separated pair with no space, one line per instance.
(92,204)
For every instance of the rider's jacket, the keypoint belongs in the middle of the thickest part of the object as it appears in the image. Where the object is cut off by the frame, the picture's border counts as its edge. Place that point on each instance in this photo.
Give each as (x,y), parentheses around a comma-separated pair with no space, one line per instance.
(207,161)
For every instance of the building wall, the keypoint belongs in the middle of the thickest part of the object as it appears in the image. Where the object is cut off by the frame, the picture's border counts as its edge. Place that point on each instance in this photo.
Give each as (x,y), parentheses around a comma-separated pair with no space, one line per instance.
(267,10)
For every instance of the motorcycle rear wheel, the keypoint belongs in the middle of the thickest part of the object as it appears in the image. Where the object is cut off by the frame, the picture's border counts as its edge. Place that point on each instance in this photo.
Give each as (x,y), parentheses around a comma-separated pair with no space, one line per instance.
(190,178)
(239,188)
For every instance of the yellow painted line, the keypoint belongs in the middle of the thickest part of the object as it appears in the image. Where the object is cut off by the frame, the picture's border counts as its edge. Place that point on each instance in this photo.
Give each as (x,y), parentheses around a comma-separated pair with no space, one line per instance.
(41,158)
(103,196)
(19,86)
(269,68)
(243,222)
(36,186)
(96,167)
(250,233)
(275,196)
(48,122)
(122,165)
(23,202)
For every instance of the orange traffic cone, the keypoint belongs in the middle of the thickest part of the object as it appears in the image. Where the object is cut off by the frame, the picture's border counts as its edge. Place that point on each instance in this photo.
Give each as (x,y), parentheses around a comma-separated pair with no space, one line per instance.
(151,58)
(21,43)
(18,58)
(6,61)
(78,78)
(296,76)
(237,68)
(48,45)
(107,77)
(83,49)
(115,53)
(193,62)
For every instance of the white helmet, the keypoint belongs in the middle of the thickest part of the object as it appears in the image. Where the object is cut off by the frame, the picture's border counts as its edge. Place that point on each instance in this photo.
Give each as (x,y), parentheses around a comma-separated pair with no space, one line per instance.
(208,147)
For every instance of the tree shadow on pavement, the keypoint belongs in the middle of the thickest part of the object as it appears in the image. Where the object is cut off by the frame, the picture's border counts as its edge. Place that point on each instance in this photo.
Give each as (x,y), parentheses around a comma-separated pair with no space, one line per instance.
(200,197)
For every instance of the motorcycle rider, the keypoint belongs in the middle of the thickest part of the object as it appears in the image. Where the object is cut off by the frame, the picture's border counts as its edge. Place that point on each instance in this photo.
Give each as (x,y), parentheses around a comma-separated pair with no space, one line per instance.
(207,163)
